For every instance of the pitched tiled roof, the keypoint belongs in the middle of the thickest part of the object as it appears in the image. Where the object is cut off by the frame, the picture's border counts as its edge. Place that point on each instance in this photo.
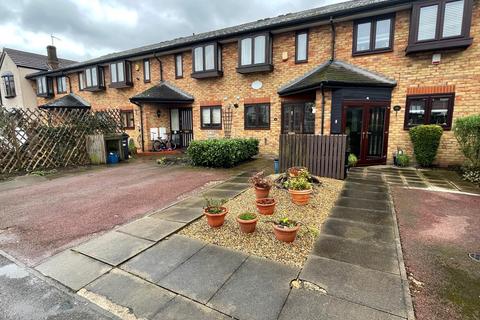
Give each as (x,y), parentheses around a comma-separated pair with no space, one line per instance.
(164,92)
(336,73)
(285,20)
(33,60)
(70,101)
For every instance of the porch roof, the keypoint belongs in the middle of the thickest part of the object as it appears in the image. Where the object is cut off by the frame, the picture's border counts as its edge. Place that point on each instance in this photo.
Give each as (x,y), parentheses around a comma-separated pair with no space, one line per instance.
(70,101)
(164,92)
(336,74)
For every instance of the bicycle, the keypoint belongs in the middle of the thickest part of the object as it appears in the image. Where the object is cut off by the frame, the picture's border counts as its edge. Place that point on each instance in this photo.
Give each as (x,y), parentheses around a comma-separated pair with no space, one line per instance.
(163,144)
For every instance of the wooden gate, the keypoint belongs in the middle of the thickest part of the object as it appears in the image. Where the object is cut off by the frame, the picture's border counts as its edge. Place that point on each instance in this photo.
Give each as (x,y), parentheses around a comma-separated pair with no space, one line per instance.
(324,156)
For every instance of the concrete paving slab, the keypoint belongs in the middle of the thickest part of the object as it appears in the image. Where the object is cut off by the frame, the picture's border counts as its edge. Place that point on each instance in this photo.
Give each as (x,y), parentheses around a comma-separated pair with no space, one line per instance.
(304,304)
(141,297)
(355,185)
(156,262)
(358,231)
(221,194)
(257,290)
(417,185)
(366,254)
(204,273)
(232,186)
(239,179)
(368,287)
(151,228)
(363,203)
(113,247)
(193,202)
(381,218)
(361,194)
(72,269)
(186,309)
(365,181)
(179,214)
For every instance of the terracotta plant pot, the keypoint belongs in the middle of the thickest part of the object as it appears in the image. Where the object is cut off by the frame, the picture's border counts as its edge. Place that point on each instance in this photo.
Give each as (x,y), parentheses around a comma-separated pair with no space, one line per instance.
(261,193)
(285,234)
(215,220)
(300,197)
(247,226)
(266,208)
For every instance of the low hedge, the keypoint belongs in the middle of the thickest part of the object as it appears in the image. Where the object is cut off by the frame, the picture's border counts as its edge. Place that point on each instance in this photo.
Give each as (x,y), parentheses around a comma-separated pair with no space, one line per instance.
(467,132)
(425,140)
(221,152)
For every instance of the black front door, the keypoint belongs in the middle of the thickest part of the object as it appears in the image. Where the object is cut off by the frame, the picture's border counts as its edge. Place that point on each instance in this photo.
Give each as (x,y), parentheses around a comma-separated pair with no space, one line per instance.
(298,117)
(366,125)
(181,125)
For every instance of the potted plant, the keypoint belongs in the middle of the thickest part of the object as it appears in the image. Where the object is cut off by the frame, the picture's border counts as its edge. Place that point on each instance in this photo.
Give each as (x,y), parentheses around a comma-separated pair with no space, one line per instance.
(215,212)
(247,222)
(285,229)
(266,206)
(261,184)
(299,188)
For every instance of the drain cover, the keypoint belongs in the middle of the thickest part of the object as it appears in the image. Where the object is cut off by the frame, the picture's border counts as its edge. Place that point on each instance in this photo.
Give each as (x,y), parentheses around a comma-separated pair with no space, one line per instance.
(475,256)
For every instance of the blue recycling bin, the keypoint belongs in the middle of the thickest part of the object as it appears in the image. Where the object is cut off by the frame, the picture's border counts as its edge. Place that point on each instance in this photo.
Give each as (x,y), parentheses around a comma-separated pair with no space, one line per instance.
(113,158)
(276,166)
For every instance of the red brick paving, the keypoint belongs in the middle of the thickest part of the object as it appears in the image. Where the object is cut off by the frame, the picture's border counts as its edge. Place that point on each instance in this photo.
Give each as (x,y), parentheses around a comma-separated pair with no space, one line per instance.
(47,217)
(437,231)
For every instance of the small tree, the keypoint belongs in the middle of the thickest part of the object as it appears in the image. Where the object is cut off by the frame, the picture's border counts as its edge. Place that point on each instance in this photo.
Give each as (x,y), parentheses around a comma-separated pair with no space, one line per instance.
(425,140)
(467,132)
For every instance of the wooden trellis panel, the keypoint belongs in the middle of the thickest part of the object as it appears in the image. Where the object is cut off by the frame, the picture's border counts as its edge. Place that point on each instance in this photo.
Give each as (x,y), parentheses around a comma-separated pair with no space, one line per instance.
(43,139)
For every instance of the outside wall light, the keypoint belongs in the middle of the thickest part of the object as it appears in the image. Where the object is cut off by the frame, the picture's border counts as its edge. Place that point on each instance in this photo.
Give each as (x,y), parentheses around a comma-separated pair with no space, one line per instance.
(159,113)
(396,109)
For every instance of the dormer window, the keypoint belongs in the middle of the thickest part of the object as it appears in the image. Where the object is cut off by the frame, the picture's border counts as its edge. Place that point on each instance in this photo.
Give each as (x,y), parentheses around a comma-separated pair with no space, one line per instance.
(440,24)
(61,84)
(44,87)
(121,74)
(207,61)
(255,53)
(94,79)
(9,85)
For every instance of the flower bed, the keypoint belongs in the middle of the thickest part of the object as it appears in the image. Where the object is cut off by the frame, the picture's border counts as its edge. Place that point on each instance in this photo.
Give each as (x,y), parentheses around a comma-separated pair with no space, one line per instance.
(262,242)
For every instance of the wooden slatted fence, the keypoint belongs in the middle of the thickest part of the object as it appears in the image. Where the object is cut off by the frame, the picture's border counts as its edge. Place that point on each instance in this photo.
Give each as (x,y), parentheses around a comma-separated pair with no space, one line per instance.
(324,156)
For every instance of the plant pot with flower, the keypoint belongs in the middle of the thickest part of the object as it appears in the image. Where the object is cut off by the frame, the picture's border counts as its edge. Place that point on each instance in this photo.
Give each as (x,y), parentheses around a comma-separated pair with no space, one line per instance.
(215,212)
(285,229)
(261,184)
(247,222)
(299,188)
(266,206)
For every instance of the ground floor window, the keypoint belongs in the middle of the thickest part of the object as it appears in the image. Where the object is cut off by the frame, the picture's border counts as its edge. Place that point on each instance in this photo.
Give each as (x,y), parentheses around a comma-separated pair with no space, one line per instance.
(429,109)
(298,117)
(127,119)
(211,117)
(257,116)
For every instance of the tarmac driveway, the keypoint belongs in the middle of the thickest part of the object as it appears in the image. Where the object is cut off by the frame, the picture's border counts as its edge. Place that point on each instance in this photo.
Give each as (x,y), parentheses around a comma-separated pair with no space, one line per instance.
(39,219)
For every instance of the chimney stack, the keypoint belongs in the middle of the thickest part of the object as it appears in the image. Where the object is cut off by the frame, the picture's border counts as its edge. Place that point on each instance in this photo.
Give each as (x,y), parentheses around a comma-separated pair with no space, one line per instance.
(52,59)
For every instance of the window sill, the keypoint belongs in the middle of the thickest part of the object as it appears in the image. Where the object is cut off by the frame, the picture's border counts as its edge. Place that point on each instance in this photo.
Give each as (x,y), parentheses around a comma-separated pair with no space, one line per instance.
(365,53)
(207,74)
(407,127)
(255,68)
(257,128)
(45,95)
(120,85)
(211,128)
(439,45)
(61,92)
(94,89)
(10,96)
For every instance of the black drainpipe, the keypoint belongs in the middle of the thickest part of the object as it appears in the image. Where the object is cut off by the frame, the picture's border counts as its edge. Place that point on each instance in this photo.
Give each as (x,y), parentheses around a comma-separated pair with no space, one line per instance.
(161,66)
(323,108)
(141,123)
(332,26)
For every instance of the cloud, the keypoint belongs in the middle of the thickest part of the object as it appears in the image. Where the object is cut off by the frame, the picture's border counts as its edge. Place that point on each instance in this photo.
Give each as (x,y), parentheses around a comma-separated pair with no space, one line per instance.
(88,29)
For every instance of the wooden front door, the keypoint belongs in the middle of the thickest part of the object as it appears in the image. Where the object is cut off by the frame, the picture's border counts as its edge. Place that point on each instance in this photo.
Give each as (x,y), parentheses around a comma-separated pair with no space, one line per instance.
(366,127)
(181,125)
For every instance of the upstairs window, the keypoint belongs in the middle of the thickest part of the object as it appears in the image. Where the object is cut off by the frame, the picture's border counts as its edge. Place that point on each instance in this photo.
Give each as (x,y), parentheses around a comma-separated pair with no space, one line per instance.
(146,70)
(211,117)
(207,61)
(257,116)
(121,74)
(373,35)
(94,79)
(127,119)
(254,54)
(440,24)
(429,109)
(81,81)
(301,47)
(178,66)
(44,87)
(61,84)
(9,85)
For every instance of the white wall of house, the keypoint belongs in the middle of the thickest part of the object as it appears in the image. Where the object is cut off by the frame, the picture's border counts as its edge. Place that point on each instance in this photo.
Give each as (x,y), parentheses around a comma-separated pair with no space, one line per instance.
(25,96)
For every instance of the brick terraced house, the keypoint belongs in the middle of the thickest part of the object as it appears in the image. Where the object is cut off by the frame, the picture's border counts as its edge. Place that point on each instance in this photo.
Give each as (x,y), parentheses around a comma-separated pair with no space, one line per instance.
(368,68)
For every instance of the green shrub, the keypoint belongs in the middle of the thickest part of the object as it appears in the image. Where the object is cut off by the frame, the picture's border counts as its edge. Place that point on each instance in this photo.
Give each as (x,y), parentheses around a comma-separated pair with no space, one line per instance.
(425,140)
(471,174)
(221,152)
(467,132)
(403,160)
(132,149)
(352,160)
(298,183)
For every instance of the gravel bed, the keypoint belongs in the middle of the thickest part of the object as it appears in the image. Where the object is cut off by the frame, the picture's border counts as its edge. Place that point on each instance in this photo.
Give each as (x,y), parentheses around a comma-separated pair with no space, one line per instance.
(262,242)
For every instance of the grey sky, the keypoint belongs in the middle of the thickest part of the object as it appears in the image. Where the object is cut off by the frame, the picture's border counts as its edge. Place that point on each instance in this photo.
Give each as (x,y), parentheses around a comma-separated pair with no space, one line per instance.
(90,28)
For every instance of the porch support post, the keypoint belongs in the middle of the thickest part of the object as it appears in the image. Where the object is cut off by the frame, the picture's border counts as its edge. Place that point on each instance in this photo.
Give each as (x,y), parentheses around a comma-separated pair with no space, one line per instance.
(323,109)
